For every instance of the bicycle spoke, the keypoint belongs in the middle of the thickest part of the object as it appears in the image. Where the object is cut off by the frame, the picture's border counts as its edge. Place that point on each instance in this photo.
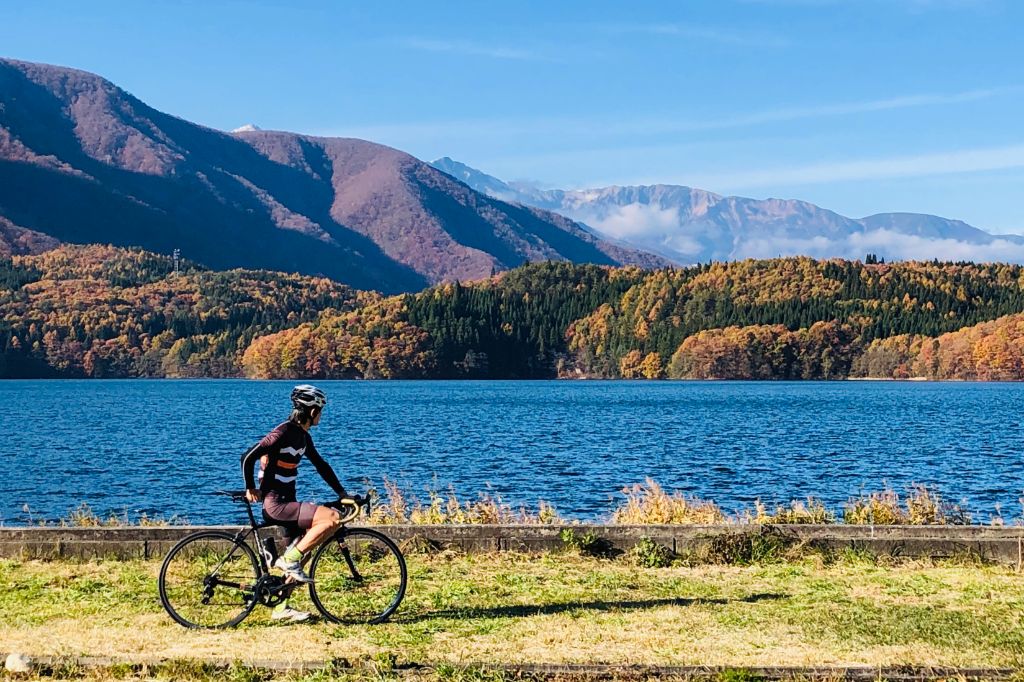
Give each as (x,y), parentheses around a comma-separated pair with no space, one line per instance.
(360,579)
(207,581)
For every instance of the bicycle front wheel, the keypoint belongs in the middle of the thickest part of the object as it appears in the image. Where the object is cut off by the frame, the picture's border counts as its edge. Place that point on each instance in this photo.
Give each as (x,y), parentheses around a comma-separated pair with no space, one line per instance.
(359,576)
(208,580)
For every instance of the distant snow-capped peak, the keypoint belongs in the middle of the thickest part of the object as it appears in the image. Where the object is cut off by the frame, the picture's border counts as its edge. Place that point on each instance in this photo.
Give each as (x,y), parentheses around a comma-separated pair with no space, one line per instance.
(690,225)
(247,128)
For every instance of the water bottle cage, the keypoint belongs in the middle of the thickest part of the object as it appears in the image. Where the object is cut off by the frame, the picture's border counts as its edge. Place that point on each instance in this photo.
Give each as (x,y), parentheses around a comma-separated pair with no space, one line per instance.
(268,548)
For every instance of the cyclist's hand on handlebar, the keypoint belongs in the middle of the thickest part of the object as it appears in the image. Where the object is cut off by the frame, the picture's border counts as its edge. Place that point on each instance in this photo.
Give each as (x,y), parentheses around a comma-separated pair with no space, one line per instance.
(253,495)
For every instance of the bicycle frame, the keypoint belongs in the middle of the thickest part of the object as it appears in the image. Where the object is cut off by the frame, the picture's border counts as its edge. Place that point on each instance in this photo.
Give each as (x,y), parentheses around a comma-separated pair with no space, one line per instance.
(263,587)
(242,537)
(254,529)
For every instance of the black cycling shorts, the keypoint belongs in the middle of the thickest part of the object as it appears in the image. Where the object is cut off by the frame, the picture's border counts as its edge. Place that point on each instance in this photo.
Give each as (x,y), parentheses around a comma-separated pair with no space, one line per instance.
(296,517)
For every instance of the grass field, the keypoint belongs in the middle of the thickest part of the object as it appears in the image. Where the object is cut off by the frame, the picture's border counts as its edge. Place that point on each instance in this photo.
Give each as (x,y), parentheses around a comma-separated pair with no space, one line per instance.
(560,608)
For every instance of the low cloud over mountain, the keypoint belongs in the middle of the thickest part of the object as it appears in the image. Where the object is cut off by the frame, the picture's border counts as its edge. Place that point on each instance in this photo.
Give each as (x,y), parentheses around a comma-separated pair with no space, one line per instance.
(692,225)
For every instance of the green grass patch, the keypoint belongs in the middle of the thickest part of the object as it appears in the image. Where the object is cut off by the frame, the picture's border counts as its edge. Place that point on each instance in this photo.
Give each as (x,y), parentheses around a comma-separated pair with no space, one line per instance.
(555,608)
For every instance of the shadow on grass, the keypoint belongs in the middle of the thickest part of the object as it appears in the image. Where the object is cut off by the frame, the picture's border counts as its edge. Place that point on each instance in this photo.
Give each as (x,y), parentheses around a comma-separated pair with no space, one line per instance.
(526,610)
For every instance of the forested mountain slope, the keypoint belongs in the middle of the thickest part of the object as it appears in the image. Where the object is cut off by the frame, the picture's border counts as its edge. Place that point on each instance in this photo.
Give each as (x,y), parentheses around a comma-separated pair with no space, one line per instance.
(104,311)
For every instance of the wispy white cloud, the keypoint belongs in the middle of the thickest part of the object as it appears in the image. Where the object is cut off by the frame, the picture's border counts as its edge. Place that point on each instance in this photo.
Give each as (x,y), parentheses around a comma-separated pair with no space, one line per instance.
(686,238)
(941,163)
(848,108)
(699,33)
(569,127)
(909,5)
(892,245)
(474,49)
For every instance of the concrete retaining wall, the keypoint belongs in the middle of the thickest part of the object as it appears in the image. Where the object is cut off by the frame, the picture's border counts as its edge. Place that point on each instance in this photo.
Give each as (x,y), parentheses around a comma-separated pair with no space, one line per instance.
(1002,544)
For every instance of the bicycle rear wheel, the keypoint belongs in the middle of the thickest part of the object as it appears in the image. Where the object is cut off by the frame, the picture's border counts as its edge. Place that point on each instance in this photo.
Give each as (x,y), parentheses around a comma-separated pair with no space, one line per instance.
(208,580)
(359,576)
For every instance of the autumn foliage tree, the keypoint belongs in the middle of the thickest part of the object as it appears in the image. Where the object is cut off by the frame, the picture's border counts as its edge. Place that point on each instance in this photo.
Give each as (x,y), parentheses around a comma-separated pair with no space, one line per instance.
(838,307)
(372,342)
(100,311)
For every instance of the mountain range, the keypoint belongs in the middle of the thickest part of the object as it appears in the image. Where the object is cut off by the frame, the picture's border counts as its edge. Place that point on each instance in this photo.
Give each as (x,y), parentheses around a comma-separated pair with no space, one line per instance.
(690,225)
(83,161)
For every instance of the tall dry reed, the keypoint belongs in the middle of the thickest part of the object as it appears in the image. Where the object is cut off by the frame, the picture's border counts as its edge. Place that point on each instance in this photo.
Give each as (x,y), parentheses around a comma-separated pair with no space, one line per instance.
(648,503)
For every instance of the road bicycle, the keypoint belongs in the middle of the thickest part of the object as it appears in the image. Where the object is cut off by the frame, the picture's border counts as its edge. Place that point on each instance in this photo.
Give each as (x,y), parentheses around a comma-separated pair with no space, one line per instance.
(214,579)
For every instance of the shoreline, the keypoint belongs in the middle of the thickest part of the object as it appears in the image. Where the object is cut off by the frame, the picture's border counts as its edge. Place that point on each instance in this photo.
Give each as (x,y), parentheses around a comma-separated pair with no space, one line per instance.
(475,380)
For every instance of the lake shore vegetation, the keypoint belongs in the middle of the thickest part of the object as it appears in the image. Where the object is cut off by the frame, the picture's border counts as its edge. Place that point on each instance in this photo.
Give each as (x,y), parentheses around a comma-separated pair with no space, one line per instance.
(646,503)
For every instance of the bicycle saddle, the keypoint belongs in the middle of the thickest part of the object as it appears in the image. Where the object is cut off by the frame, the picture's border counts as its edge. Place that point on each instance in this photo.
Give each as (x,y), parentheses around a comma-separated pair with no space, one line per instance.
(235,495)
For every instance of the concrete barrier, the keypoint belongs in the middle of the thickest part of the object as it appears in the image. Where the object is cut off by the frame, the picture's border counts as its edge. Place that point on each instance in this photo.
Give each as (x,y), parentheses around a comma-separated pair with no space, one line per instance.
(1001,544)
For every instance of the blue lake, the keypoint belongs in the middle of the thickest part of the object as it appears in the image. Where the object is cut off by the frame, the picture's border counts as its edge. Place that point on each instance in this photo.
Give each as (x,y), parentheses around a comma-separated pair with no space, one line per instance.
(161,446)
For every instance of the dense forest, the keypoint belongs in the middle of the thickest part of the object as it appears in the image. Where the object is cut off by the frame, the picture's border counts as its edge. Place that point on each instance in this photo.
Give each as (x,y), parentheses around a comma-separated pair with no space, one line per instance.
(101,311)
(790,318)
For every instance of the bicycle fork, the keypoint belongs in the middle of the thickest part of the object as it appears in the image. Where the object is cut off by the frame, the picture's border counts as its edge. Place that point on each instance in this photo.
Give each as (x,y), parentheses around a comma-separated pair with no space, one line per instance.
(348,560)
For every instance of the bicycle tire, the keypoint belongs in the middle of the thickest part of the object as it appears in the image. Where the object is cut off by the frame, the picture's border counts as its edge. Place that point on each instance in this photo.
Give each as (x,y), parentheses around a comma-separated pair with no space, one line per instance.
(184,582)
(359,576)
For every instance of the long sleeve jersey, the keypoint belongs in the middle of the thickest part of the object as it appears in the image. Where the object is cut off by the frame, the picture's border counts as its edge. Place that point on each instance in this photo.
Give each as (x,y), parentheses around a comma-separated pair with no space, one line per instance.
(279,454)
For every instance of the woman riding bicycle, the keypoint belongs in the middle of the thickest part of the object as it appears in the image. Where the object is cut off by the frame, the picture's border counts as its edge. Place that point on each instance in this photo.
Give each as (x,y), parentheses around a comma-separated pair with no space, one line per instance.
(279,455)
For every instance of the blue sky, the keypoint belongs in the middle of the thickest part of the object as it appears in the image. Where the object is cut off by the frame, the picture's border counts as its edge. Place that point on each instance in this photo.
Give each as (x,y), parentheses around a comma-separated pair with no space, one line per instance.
(860,106)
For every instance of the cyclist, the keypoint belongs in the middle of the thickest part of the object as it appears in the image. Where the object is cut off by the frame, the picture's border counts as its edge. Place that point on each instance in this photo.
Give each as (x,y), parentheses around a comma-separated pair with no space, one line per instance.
(306,524)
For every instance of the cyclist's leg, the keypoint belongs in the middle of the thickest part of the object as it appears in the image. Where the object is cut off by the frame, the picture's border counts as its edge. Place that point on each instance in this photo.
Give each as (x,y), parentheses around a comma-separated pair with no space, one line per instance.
(284,610)
(323,524)
(292,535)
(296,517)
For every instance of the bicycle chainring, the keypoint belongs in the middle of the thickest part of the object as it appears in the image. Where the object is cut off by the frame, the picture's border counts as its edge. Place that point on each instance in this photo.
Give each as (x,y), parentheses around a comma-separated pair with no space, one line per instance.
(271,590)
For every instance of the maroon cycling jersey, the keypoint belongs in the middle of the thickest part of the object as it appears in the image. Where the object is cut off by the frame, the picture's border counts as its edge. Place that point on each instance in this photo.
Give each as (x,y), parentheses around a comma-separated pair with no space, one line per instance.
(279,454)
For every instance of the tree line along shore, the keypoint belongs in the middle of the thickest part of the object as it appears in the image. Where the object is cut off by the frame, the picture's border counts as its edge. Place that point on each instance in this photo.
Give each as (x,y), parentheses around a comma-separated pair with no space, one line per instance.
(100,311)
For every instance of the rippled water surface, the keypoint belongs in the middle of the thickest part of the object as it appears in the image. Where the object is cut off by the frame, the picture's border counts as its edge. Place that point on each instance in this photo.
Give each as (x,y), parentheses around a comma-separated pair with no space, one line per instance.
(161,447)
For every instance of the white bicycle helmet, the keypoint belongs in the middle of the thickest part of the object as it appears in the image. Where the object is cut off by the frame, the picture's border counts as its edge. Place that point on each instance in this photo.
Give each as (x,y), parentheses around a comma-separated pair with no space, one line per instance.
(308,396)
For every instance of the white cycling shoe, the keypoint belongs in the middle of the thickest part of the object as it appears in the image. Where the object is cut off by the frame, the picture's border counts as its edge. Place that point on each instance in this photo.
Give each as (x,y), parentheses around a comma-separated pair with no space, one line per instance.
(292,569)
(289,614)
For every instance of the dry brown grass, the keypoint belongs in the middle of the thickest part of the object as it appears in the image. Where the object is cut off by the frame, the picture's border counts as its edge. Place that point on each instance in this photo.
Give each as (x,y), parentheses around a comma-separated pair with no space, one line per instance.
(648,503)
(83,516)
(798,511)
(645,503)
(447,508)
(921,506)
